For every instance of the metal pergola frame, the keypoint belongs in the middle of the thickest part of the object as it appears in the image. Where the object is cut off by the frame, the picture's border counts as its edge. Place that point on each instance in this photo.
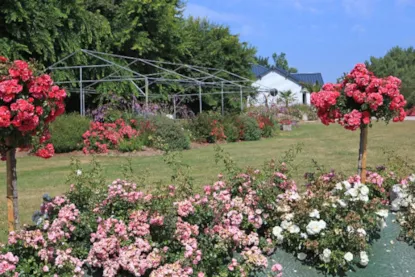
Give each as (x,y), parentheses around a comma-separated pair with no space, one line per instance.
(166,73)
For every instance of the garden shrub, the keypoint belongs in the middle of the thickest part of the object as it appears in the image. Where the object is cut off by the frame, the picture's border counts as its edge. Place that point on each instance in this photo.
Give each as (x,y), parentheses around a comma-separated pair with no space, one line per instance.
(248,128)
(169,135)
(207,127)
(103,136)
(145,128)
(231,131)
(331,225)
(405,201)
(67,131)
(298,111)
(131,145)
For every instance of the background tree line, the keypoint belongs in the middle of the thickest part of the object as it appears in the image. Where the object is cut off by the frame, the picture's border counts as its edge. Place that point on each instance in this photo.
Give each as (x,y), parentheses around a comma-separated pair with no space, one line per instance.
(50,30)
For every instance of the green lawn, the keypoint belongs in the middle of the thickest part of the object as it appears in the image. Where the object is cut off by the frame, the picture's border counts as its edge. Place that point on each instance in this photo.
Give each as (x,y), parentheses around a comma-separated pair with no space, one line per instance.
(331,146)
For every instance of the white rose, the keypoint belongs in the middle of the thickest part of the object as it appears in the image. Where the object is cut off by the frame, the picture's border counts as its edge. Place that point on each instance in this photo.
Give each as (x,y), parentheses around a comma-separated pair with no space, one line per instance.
(383,213)
(350,229)
(412,178)
(304,235)
(285,224)
(396,204)
(277,230)
(342,203)
(338,186)
(294,229)
(364,259)
(361,232)
(326,256)
(314,213)
(353,192)
(314,227)
(347,185)
(364,198)
(326,252)
(348,257)
(322,224)
(301,256)
(364,190)
(78,172)
(396,189)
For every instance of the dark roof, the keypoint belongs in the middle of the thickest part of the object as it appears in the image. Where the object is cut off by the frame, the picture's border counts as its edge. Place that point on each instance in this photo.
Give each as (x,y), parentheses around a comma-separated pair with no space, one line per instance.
(259,70)
(309,78)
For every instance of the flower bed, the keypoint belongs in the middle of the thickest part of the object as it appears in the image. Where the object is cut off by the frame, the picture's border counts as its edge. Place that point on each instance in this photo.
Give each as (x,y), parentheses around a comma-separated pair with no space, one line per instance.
(122,231)
(125,232)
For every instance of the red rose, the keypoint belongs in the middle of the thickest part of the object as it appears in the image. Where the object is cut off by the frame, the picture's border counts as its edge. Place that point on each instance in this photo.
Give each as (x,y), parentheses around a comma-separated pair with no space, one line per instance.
(46,152)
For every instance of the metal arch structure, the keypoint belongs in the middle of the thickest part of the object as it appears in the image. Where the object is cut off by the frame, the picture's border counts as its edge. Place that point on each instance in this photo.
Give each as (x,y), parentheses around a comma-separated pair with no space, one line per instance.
(223,81)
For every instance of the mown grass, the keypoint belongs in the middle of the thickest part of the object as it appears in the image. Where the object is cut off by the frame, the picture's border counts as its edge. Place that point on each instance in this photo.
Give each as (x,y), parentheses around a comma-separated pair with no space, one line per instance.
(332,147)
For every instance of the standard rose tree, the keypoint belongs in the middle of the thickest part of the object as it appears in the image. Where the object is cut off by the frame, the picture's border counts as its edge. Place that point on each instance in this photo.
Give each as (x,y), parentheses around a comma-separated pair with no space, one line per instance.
(355,101)
(28,103)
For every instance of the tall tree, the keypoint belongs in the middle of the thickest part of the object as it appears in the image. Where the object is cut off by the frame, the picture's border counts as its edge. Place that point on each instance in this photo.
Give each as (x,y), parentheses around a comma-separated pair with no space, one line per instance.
(399,62)
(49,30)
(264,61)
(281,61)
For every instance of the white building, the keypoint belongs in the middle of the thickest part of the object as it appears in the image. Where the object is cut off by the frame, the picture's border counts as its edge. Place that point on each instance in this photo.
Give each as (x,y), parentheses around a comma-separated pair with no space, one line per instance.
(281,81)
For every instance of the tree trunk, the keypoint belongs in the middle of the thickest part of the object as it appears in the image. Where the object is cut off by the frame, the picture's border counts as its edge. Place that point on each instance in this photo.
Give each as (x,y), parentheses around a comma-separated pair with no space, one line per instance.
(12,201)
(363,153)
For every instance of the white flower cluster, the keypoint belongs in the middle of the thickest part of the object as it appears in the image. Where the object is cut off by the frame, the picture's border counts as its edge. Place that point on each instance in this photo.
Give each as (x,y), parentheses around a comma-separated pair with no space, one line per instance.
(315,227)
(383,214)
(355,192)
(400,197)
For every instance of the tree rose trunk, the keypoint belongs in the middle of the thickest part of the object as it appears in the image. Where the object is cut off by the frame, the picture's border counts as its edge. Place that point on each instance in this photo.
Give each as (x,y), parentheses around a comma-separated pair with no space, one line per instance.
(12,199)
(363,153)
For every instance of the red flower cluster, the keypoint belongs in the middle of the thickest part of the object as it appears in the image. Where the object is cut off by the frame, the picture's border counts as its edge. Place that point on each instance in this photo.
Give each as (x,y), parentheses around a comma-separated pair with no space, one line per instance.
(217,131)
(410,112)
(358,98)
(103,136)
(27,104)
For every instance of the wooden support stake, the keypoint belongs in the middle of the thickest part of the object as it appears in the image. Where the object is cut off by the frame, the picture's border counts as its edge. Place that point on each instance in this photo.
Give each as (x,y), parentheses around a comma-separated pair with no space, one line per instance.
(12,198)
(363,154)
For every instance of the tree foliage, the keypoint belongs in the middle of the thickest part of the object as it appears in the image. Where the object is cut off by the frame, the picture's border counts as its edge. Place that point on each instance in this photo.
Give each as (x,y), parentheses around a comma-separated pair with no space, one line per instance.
(151,29)
(399,62)
(280,61)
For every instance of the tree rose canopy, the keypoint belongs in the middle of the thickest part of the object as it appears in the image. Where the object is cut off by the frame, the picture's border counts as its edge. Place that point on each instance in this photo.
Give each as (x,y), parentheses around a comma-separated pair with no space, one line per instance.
(358,98)
(27,104)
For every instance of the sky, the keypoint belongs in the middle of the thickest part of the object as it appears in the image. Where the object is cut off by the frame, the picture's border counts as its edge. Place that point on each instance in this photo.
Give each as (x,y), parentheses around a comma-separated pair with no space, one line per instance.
(327,36)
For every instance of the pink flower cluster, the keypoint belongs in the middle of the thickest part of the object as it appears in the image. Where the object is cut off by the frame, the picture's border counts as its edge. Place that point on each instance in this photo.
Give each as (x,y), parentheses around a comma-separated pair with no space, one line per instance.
(110,251)
(48,242)
(8,263)
(126,239)
(125,191)
(28,103)
(103,136)
(374,178)
(358,98)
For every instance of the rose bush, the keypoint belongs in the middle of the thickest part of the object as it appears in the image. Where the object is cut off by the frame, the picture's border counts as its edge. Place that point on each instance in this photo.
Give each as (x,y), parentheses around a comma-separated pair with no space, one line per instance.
(331,224)
(103,136)
(126,232)
(28,103)
(404,201)
(358,98)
